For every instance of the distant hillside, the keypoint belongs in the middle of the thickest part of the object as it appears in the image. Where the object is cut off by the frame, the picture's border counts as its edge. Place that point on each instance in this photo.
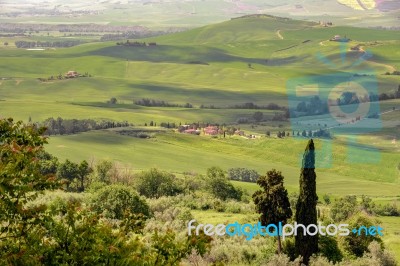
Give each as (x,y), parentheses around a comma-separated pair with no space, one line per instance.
(242,29)
(195,13)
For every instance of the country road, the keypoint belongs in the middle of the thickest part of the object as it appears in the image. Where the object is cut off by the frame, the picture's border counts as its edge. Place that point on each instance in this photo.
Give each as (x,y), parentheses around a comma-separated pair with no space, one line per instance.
(278,33)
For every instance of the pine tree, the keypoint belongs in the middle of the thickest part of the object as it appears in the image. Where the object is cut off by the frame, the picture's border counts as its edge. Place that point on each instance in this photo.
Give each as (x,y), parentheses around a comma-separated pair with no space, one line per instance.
(272,202)
(306,207)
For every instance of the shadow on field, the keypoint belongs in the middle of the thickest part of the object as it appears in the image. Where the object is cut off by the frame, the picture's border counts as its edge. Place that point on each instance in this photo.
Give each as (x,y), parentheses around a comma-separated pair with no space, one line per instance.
(204,95)
(177,54)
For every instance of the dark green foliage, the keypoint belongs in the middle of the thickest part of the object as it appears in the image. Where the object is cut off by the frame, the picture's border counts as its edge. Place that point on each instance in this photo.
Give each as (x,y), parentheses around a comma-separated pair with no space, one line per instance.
(328,247)
(152,103)
(170,252)
(219,185)
(327,199)
(62,126)
(113,100)
(258,116)
(272,202)
(343,208)
(390,209)
(313,107)
(306,208)
(355,244)
(243,174)
(288,248)
(348,98)
(71,172)
(103,169)
(20,183)
(48,163)
(116,200)
(155,183)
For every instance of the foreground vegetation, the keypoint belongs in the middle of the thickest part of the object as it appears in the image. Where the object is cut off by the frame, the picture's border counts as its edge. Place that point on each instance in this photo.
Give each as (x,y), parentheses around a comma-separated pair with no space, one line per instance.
(52,212)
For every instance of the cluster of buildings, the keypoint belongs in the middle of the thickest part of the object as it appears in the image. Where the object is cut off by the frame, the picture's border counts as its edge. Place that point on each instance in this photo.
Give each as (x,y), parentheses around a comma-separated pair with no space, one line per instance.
(338,38)
(210,130)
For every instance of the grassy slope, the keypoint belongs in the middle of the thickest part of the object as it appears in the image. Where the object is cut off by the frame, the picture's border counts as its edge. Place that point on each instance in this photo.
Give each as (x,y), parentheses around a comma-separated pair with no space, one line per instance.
(162,72)
(180,153)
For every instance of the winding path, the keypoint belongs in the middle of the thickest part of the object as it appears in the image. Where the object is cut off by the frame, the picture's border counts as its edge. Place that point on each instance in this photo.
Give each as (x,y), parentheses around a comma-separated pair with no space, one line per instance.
(278,33)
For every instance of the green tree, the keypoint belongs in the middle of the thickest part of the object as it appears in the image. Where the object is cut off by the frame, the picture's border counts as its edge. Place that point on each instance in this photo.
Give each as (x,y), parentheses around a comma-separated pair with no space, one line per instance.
(155,183)
(219,185)
(343,208)
(68,171)
(48,163)
(272,201)
(83,171)
(306,208)
(20,183)
(113,100)
(116,200)
(258,116)
(327,199)
(103,169)
(328,247)
(357,243)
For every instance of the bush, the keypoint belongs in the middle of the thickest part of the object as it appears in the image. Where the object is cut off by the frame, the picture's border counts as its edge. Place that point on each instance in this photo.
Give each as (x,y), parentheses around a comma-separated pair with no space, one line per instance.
(343,208)
(155,183)
(357,245)
(243,174)
(328,247)
(383,256)
(220,187)
(116,200)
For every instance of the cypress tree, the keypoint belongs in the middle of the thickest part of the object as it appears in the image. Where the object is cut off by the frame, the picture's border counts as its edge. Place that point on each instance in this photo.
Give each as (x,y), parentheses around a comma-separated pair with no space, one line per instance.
(272,201)
(306,207)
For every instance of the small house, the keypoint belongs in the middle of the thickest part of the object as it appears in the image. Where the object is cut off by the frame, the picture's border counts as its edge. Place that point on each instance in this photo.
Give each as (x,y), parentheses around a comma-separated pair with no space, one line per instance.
(71,74)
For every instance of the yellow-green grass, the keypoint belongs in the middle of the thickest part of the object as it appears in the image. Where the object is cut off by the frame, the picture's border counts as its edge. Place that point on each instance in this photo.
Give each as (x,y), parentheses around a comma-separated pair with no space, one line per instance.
(213,217)
(391,238)
(181,153)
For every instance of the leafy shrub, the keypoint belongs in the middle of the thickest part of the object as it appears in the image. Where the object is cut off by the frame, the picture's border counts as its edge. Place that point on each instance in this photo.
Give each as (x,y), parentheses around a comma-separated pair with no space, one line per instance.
(357,245)
(384,257)
(155,183)
(343,208)
(115,200)
(328,247)
(243,174)
(238,251)
(220,187)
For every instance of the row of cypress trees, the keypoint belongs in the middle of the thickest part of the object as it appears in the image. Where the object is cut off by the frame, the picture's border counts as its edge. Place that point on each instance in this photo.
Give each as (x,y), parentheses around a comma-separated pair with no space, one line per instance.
(273,203)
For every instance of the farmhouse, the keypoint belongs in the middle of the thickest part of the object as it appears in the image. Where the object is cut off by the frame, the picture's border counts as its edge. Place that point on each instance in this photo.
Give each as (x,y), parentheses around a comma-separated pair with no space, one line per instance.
(338,38)
(239,132)
(71,74)
(211,130)
(192,131)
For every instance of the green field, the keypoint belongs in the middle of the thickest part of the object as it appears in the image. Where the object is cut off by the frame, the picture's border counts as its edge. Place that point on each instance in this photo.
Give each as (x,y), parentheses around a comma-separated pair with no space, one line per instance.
(164,72)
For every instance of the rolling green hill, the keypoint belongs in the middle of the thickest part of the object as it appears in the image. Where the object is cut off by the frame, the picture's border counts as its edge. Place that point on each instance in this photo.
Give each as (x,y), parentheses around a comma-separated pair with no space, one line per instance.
(243,60)
(247,59)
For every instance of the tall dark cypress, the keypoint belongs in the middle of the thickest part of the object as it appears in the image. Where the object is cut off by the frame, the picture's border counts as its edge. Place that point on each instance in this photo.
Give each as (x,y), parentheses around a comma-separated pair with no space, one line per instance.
(306,208)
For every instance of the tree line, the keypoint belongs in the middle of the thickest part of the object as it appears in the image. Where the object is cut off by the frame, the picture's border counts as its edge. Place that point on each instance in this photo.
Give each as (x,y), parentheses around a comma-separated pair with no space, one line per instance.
(316,106)
(57,44)
(60,126)
(160,103)
(250,105)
